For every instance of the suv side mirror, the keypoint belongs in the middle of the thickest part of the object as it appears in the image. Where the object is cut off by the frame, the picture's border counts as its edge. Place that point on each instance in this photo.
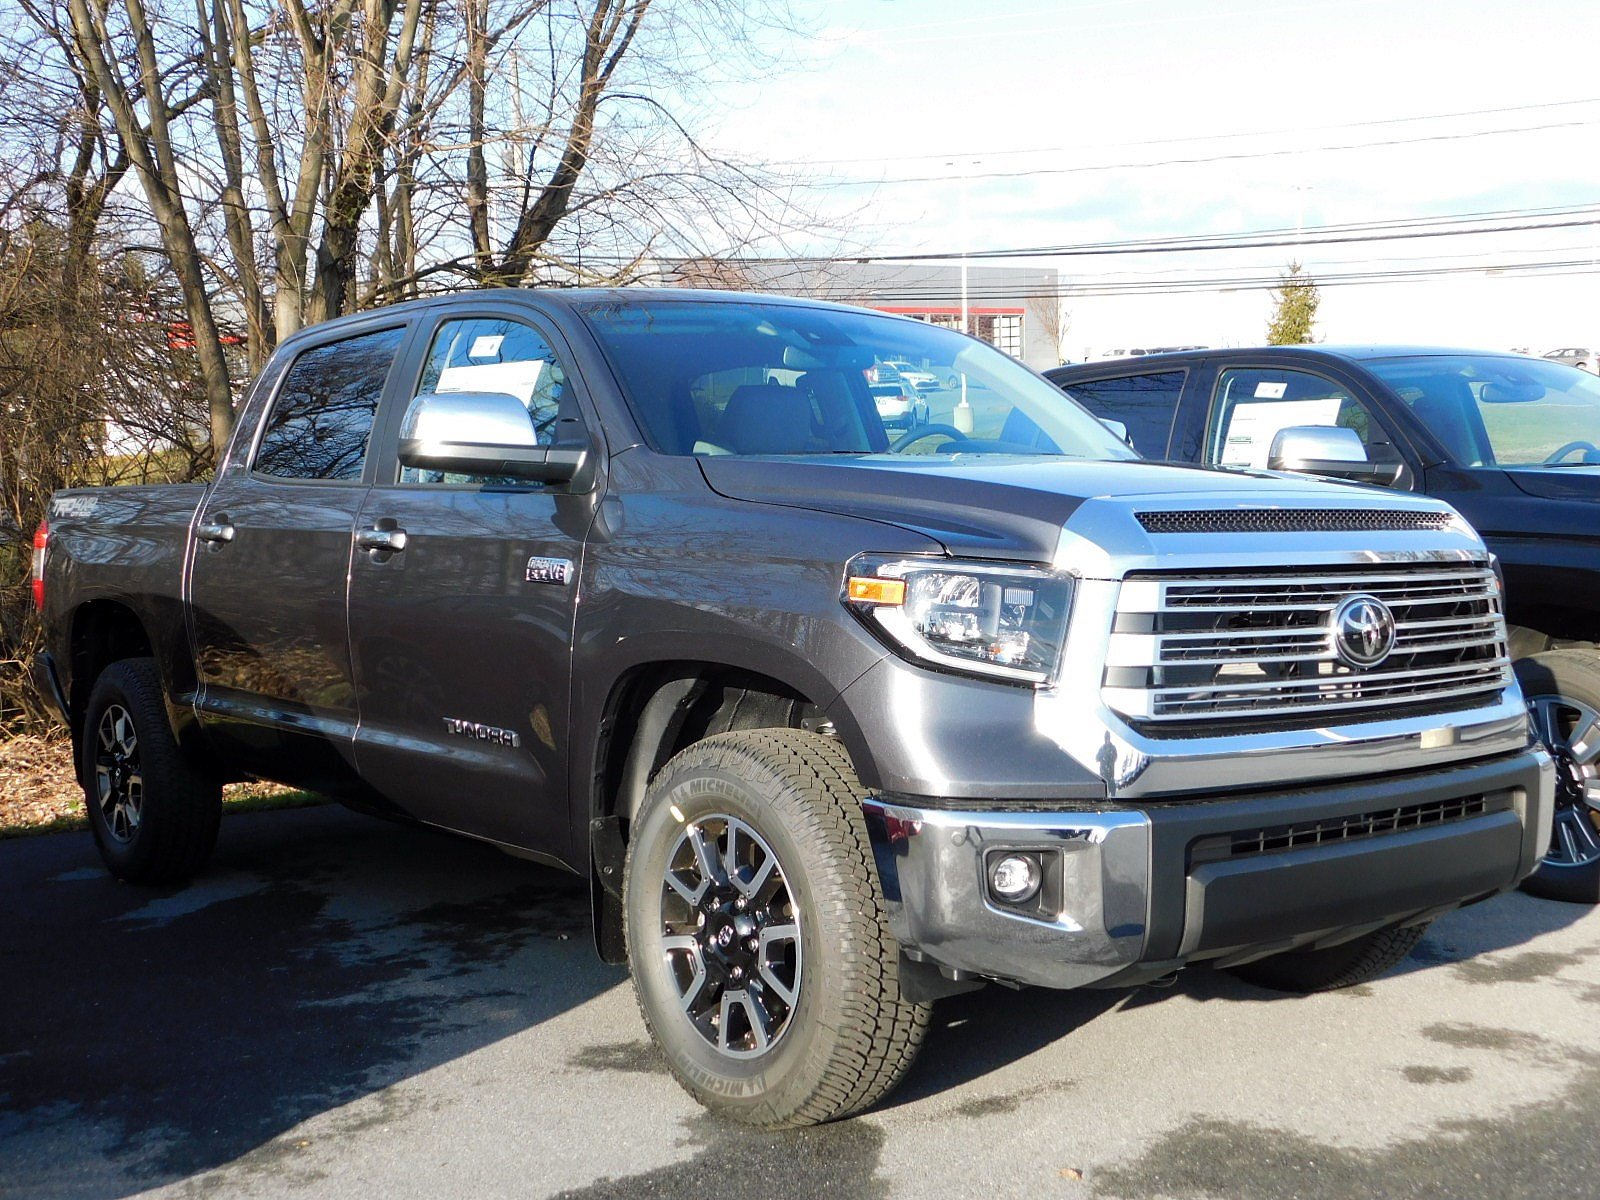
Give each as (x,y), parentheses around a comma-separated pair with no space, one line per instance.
(483,433)
(1329,450)
(1118,428)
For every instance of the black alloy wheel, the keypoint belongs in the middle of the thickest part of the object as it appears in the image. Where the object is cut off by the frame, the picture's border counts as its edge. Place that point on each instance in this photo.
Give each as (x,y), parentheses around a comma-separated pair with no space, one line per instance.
(1562,690)
(731,935)
(118,778)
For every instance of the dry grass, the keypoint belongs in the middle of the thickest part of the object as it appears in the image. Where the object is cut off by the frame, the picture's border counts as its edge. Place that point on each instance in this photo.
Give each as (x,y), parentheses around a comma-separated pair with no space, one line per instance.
(38,793)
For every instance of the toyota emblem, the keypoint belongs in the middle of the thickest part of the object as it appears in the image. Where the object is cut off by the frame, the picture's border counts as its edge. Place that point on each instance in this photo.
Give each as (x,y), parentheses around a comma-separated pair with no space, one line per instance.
(1363,631)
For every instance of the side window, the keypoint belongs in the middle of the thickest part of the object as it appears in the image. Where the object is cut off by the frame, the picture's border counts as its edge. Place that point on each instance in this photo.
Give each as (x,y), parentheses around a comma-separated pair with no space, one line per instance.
(322,418)
(1146,404)
(496,354)
(1253,404)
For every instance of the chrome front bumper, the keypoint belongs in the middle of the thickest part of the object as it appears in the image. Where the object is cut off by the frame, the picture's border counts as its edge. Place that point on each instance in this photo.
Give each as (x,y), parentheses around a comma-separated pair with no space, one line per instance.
(1133,904)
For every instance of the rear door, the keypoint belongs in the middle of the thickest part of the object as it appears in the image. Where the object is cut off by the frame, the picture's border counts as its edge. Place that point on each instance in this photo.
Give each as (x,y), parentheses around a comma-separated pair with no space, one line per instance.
(462,640)
(271,560)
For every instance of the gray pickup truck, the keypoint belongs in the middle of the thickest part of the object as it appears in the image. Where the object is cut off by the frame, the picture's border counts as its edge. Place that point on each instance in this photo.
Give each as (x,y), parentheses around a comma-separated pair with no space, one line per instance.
(835,721)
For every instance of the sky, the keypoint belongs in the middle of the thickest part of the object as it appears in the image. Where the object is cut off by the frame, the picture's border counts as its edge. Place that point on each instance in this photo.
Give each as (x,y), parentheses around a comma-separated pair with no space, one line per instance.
(926,126)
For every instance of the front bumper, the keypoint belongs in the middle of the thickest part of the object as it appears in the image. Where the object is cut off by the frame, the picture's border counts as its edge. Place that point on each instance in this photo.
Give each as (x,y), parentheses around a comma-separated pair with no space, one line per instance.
(1141,890)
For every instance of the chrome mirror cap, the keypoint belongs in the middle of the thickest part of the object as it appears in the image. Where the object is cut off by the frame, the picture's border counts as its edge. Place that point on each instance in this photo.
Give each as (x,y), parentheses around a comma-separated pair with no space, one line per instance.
(483,433)
(1294,448)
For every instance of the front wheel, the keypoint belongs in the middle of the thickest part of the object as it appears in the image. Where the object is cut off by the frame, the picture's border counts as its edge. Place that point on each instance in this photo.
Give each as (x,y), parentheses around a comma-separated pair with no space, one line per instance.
(1562,688)
(1341,966)
(154,815)
(761,958)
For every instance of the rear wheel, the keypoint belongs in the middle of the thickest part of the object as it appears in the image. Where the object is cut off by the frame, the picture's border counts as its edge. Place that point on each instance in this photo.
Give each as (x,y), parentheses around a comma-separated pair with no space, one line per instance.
(1341,966)
(760,955)
(153,815)
(1562,688)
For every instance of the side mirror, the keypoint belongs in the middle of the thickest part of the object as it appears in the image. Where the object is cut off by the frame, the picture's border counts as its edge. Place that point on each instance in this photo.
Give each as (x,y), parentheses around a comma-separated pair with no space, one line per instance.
(1118,428)
(1329,450)
(483,433)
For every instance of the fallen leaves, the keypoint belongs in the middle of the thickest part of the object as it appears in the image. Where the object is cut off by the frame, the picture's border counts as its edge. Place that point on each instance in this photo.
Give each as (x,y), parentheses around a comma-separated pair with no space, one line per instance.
(39,792)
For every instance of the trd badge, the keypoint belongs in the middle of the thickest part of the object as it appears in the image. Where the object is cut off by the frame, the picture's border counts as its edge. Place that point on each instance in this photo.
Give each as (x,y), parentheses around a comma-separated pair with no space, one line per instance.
(549,570)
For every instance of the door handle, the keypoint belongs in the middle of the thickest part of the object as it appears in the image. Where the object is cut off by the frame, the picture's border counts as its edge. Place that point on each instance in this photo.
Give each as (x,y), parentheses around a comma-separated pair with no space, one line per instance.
(389,541)
(214,531)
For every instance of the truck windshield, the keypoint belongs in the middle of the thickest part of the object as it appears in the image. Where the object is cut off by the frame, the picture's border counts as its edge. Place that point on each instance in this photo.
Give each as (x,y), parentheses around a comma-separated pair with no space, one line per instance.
(1492,411)
(732,377)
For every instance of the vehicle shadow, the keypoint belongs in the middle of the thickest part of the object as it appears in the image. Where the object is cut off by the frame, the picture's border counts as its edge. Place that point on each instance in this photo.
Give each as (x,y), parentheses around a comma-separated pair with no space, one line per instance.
(147,1035)
(981,1032)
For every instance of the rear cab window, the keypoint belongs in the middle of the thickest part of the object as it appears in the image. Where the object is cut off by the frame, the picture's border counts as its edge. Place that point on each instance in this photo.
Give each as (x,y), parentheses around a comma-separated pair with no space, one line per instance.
(320,422)
(1146,404)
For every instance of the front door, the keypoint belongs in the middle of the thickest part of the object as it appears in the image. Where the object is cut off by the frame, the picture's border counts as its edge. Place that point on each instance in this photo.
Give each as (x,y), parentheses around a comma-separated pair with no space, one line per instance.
(461,628)
(270,566)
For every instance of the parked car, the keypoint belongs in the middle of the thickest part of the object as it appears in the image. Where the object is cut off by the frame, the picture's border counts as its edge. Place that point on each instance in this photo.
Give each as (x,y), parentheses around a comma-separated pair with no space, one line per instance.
(923,381)
(1574,356)
(1512,442)
(898,404)
(835,722)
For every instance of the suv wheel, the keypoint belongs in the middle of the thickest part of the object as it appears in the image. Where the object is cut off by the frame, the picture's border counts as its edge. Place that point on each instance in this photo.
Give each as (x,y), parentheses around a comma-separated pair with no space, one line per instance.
(154,816)
(760,955)
(1562,688)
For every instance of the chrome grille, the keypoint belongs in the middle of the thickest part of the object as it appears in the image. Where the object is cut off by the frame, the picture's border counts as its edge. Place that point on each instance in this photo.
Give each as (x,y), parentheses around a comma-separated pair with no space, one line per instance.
(1258,645)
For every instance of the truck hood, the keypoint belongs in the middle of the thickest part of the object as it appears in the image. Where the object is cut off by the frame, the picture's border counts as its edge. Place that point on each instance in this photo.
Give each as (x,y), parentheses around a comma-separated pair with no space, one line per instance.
(994,506)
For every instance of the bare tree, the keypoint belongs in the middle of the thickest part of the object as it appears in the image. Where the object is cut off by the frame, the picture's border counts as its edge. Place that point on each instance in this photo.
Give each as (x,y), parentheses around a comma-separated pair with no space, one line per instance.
(144,109)
(1049,308)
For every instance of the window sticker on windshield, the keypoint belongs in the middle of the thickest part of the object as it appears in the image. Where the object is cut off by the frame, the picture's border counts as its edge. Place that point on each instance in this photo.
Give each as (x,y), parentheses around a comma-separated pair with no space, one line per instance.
(1271,391)
(489,345)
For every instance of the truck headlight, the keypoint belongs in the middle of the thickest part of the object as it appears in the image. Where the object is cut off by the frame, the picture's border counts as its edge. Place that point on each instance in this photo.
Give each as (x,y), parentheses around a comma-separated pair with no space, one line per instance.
(991,619)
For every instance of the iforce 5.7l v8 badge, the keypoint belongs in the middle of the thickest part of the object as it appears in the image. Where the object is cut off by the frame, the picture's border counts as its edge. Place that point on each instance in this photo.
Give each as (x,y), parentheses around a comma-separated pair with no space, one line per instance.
(549,570)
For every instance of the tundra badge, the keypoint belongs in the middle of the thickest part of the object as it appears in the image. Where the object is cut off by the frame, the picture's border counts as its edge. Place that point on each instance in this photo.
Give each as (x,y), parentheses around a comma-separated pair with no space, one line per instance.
(481,733)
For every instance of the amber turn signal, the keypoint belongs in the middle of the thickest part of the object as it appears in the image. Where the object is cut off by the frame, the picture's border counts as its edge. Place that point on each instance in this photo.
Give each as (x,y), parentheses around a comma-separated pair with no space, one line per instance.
(868,589)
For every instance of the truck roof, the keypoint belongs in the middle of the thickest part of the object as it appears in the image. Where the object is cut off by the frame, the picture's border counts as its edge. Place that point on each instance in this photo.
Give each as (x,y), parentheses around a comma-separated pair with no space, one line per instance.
(1316,353)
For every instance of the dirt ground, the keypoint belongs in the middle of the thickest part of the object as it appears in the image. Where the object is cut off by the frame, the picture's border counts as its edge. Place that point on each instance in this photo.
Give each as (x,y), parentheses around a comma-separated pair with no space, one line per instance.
(38,793)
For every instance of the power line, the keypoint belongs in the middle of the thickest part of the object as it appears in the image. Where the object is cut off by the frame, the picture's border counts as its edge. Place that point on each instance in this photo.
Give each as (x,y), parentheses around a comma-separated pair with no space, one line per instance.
(1198,160)
(1257,281)
(1199,138)
(1306,238)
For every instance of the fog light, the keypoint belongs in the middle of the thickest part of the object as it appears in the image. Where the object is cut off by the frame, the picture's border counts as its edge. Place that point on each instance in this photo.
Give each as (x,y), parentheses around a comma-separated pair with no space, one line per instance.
(1015,878)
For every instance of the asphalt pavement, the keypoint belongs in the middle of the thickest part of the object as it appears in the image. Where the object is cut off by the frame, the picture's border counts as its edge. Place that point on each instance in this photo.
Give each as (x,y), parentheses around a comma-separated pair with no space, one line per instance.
(345,1008)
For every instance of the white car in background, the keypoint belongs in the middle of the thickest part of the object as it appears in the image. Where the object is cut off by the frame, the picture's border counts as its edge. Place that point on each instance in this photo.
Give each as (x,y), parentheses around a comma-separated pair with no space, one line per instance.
(899,406)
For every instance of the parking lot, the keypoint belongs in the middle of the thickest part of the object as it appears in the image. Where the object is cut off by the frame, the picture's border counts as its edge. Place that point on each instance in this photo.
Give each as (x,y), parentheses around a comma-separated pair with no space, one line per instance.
(346,1008)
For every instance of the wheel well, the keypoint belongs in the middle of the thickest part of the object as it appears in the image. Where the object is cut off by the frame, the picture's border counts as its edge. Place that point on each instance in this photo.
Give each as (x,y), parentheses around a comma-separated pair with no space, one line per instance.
(652,714)
(1563,632)
(659,711)
(103,632)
